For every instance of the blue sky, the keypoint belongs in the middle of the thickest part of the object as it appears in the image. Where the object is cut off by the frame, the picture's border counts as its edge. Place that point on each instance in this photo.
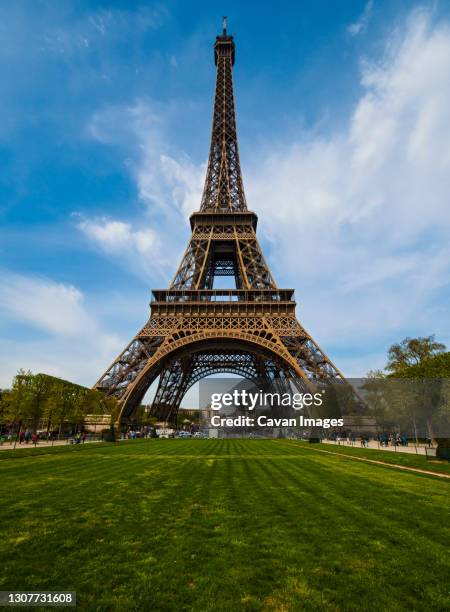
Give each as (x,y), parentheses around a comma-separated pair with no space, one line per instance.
(343,115)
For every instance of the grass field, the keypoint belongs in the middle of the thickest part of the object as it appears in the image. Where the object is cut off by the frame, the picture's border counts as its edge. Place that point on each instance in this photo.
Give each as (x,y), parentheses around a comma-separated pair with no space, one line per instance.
(387,456)
(223,525)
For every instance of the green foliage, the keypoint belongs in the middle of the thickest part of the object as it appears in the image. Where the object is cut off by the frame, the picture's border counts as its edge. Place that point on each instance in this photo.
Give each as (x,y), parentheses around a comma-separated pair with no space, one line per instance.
(15,401)
(415,406)
(437,366)
(109,405)
(37,392)
(411,352)
(40,401)
(416,394)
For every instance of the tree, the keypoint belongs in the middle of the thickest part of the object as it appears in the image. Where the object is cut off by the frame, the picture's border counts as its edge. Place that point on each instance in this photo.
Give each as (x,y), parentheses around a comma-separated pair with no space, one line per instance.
(430,367)
(5,401)
(17,399)
(374,394)
(111,408)
(37,394)
(60,405)
(430,378)
(411,352)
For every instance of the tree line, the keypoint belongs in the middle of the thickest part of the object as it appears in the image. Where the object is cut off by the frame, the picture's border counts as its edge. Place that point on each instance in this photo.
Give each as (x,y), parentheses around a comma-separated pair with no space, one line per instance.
(413,392)
(44,403)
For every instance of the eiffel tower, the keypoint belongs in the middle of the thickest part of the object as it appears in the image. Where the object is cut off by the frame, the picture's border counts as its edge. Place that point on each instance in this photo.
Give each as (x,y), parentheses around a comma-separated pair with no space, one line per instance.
(195,330)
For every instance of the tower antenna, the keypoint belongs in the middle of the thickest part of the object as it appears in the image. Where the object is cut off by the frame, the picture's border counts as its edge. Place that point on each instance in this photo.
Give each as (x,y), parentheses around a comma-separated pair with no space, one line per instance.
(224,25)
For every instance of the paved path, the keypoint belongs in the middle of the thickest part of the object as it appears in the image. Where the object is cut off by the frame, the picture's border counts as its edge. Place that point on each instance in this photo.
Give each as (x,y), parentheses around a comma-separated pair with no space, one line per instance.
(392,465)
(373,444)
(41,444)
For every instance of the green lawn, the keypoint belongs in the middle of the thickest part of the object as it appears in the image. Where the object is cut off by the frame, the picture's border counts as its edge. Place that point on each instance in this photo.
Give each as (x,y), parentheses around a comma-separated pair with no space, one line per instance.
(407,459)
(223,525)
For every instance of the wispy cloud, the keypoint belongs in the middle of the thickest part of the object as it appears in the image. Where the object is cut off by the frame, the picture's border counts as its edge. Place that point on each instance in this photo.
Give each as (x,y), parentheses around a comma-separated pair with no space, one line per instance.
(86,51)
(44,304)
(139,251)
(168,182)
(168,186)
(114,236)
(360,26)
(361,216)
(72,342)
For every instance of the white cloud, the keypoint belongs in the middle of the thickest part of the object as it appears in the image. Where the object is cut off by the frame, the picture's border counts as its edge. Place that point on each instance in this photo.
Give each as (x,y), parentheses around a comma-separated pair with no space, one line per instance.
(358,220)
(71,343)
(185,181)
(169,185)
(50,306)
(115,236)
(360,26)
(66,34)
(140,251)
(168,182)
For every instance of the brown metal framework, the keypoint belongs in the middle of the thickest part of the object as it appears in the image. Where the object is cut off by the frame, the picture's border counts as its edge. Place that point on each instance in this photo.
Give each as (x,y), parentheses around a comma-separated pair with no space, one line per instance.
(195,330)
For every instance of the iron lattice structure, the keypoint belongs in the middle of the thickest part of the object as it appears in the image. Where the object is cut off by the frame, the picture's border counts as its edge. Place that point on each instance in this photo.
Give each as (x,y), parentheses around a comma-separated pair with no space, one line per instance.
(195,330)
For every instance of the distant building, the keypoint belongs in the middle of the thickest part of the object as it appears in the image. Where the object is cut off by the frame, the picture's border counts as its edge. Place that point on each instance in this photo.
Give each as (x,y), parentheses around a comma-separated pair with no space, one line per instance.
(97,422)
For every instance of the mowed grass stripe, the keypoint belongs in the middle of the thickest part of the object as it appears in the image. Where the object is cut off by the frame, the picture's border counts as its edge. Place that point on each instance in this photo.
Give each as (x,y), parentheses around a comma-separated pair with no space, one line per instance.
(363,499)
(82,512)
(171,448)
(328,502)
(397,458)
(420,469)
(224,525)
(297,516)
(87,477)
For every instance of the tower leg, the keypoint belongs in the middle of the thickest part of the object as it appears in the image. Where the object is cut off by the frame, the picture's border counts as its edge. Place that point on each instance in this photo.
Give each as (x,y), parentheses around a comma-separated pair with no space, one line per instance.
(173,384)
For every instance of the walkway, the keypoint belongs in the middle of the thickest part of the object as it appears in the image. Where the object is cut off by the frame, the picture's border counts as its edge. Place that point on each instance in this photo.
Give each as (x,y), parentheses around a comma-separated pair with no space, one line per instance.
(385,463)
(41,444)
(374,444)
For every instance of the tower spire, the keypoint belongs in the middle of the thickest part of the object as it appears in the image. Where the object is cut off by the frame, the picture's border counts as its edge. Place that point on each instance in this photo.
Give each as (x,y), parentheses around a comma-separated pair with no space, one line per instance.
(224,190)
